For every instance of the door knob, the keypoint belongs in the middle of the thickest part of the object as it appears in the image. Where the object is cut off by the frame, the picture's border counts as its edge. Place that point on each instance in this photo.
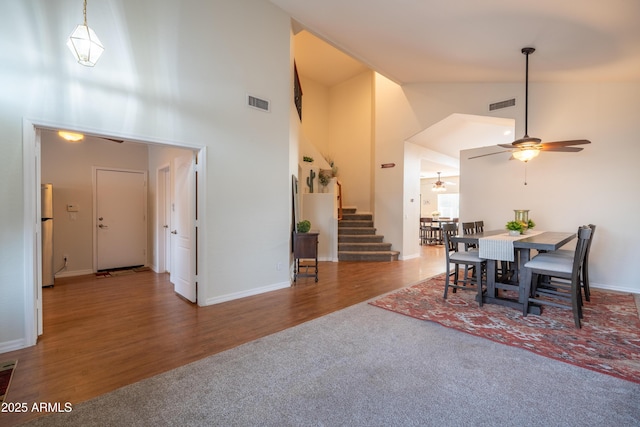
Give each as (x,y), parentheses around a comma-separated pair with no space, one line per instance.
(165,226)
(174,232)
(103,226)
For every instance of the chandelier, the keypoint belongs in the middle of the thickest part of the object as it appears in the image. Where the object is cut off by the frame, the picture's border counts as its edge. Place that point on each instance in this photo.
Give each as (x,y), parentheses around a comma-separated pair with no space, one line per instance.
(438,186)
(84,44)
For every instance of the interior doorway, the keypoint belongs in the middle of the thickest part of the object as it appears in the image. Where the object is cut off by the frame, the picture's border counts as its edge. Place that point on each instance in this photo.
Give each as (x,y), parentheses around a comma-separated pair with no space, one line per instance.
(32,163)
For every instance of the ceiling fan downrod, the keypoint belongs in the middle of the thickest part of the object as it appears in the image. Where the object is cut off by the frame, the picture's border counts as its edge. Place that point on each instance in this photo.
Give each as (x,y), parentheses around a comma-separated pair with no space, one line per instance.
(526,51)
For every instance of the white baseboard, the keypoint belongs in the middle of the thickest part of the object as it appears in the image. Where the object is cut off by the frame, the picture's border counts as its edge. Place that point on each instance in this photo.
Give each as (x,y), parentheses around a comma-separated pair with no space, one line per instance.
(74,273)
(404,258)
(8,346)
(248,293)
(614,288)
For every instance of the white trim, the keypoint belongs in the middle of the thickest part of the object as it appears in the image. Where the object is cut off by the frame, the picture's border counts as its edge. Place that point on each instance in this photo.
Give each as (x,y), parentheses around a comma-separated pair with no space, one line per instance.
(613,288)
(32,249)
(8,346)
(248,293)
(201,247)
(162,172)
(31,187)
(74,273)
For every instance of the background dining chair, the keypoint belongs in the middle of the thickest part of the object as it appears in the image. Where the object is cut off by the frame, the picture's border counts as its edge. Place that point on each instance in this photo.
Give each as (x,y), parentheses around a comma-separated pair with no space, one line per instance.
(457,258)
(427,231)
(584,270)
(563,287)
(479,225)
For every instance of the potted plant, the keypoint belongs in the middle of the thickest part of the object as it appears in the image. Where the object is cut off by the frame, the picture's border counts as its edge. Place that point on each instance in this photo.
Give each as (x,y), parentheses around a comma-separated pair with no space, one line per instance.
(515,228)
(303,226)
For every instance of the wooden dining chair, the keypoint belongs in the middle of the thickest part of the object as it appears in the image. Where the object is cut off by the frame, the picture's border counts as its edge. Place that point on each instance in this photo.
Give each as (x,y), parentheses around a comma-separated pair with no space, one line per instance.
(479,225)
(584,270)
(458,259)
(562,289)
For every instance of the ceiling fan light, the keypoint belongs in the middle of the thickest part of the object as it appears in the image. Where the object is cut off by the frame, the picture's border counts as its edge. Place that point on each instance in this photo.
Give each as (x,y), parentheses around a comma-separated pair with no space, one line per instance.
(526,154)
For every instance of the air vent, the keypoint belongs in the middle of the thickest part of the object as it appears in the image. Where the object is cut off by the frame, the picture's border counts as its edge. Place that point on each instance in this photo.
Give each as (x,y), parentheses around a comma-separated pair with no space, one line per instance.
(502,104)
(260,104)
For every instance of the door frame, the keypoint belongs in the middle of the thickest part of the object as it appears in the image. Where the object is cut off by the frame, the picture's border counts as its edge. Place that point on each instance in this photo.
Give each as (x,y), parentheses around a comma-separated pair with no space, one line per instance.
(163,200)
(31,209)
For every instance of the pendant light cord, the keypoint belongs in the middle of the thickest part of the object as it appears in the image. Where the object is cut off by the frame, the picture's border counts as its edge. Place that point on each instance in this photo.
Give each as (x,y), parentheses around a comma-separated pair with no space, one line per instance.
(84,12)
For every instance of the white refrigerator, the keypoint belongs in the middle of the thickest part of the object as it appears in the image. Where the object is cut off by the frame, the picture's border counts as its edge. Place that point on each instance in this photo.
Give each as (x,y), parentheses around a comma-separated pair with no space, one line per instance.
(47,234)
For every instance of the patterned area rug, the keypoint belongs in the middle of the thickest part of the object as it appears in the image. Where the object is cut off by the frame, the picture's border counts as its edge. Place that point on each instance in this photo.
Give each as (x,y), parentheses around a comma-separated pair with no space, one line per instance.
(609,341)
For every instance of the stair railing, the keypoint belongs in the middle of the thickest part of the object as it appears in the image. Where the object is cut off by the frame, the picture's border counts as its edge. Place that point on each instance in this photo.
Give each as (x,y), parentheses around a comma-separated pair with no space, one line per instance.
(339,199)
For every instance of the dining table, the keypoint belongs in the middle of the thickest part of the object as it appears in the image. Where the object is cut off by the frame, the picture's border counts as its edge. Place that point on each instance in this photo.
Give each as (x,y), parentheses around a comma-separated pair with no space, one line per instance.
(498,246)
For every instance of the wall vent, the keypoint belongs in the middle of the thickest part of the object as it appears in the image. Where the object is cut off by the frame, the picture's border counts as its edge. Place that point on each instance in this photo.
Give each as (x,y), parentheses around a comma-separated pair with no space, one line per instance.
(502,104)
(260,104)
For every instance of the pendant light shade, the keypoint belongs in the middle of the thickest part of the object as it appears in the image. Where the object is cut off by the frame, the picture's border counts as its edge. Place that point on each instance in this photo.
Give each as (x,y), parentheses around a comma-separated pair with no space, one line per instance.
(85,44)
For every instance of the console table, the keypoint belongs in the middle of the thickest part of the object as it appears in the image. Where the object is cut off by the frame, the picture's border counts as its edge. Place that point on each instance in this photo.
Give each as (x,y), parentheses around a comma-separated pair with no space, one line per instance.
(305,247)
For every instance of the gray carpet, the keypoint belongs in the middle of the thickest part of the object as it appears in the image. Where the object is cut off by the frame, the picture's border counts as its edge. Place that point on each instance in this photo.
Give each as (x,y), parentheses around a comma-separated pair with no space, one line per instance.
(365,366)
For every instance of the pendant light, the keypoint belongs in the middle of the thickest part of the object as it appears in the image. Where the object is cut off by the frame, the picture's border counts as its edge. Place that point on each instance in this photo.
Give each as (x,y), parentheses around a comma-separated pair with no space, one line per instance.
(438,186)
(84,44)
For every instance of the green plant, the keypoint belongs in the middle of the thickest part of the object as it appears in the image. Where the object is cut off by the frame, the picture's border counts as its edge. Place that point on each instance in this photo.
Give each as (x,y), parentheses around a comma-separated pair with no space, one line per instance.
(307,159)
(324,177)
(531,224)
(515,226)
(310,178)
(303,226)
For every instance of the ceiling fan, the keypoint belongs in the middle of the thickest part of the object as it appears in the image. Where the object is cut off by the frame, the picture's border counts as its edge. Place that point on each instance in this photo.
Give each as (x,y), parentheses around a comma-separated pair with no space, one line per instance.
(526,148)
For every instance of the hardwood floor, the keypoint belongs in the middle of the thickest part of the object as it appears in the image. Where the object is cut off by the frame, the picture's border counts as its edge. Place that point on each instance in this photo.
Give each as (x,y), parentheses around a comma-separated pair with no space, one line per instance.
(104,333)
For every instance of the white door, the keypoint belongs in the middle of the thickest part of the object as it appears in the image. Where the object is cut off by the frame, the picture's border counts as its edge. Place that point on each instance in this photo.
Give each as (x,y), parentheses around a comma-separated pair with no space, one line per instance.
(121,218)
(183,209)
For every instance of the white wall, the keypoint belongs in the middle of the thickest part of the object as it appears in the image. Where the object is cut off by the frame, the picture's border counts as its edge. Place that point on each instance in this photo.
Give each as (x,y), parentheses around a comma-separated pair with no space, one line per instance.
(176,72)
(599,185)
(351,113)
(338,121)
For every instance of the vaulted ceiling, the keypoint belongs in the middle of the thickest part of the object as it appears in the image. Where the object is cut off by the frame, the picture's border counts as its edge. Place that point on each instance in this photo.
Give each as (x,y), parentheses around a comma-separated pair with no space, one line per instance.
(466,41)
(412,41)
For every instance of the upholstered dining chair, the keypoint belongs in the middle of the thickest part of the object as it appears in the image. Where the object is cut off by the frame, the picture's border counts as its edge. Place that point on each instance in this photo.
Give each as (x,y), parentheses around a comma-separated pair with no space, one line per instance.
(479,225)
(459,258)
(584,270)
(563,286)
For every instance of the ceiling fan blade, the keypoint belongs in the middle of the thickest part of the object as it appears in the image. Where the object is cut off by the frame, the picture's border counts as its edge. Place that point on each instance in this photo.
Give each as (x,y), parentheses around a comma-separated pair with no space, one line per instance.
(490,154)
(119,141)
(562,149)
(565,143)
(511,146)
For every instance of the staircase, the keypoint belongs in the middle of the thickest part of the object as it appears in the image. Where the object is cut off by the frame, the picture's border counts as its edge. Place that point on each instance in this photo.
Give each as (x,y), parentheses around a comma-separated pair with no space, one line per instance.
(358,241)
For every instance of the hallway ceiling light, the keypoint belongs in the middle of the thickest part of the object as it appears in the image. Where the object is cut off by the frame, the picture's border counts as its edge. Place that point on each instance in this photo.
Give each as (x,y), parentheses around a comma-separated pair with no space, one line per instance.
(84,44)
(71,136)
